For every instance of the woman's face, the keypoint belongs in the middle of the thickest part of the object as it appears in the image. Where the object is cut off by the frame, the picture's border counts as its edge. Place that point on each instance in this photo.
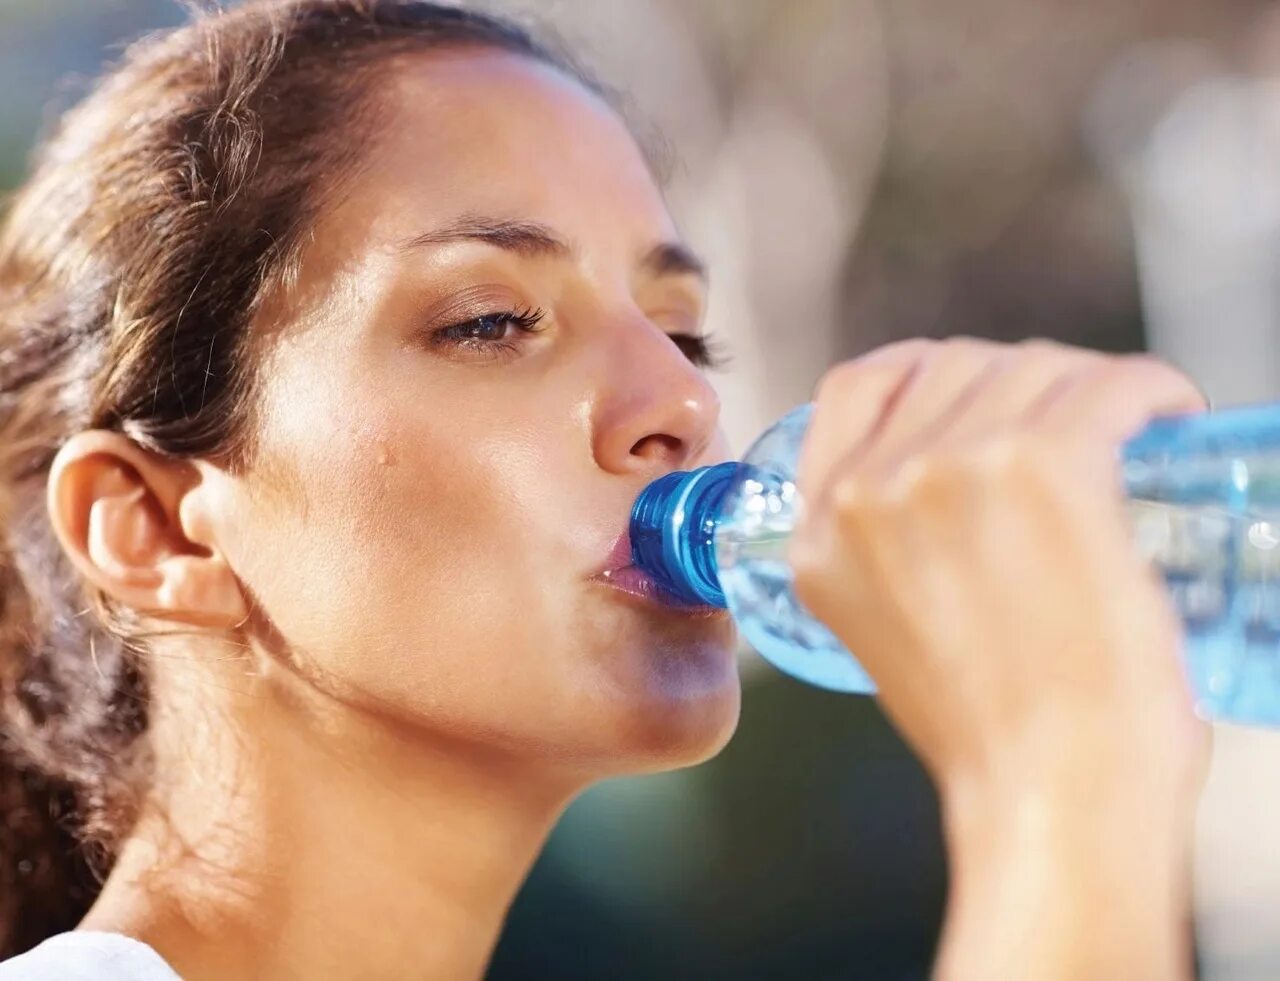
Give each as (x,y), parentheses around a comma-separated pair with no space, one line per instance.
(486,357)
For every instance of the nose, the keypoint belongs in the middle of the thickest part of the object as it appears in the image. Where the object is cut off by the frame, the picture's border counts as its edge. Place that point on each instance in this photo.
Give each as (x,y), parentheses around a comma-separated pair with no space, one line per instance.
(656,411)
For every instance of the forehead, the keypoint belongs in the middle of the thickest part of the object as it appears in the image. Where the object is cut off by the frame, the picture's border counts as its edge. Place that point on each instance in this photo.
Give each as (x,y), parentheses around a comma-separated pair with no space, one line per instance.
(475,131)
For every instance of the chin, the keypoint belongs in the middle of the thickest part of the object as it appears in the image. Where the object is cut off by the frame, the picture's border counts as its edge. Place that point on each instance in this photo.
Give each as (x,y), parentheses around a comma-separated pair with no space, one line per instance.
(682,721)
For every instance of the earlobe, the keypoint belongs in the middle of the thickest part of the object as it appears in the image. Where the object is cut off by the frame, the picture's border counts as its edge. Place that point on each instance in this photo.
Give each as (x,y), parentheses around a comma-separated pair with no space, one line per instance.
(118,512)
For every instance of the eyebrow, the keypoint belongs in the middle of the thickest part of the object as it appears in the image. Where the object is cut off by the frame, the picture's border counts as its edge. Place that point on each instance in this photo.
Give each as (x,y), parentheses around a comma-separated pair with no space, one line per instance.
(674,259)
(527,238)
(535,240)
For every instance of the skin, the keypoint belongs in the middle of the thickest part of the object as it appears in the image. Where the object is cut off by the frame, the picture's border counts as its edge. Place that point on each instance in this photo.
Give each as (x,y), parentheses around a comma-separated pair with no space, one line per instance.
(411,670)
(395,669)
(965,536)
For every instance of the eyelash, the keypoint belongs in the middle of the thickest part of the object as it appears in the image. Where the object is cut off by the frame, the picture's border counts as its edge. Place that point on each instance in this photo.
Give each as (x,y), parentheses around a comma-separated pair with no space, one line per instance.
(456,335)
(703,350)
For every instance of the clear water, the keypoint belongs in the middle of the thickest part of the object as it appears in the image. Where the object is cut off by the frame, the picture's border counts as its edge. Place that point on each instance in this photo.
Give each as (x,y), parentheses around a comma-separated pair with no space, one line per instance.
(751,535)
(1212,525)
(775,624)
(1205,505)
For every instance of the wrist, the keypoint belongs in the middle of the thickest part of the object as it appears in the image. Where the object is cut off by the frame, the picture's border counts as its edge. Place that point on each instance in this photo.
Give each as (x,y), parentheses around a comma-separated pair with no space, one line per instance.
(1117,769)
(1065,874)
(1088,817)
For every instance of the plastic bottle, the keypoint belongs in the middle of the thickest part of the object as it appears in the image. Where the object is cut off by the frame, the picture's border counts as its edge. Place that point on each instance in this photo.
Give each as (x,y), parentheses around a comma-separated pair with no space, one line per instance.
(1204,494)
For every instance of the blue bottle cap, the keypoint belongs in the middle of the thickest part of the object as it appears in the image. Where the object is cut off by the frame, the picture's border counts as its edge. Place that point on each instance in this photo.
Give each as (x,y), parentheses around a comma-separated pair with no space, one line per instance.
(673,527)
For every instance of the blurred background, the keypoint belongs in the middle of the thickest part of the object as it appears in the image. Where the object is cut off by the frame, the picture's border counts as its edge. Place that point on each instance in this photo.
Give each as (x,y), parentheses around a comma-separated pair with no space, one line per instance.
(1103,172)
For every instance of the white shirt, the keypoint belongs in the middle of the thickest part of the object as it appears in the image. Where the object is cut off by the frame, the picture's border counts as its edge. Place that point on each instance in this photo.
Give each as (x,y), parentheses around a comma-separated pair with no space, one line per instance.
(88,955)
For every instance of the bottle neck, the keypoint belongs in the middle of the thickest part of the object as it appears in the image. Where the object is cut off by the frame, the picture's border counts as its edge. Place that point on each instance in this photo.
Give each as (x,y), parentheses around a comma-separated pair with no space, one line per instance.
(673,526)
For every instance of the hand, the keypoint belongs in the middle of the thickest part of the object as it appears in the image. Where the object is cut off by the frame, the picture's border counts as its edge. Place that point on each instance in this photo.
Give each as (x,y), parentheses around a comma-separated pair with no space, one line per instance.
(965,535)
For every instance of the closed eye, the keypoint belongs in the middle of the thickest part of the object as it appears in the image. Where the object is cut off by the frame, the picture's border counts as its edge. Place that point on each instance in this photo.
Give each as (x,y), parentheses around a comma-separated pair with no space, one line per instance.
(704,350)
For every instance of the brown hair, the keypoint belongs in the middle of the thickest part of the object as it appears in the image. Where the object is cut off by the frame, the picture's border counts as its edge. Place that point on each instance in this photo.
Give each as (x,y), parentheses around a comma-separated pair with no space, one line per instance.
(160,213)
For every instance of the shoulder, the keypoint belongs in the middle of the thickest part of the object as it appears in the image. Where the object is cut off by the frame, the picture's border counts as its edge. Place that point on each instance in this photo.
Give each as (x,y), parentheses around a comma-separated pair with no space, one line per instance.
(86,955)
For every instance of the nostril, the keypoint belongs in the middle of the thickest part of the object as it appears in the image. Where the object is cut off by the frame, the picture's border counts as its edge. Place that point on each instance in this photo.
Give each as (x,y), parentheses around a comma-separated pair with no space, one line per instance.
(658,446)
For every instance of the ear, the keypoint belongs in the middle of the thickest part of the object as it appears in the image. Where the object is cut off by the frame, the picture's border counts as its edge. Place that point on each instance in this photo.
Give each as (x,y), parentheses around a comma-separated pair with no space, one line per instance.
(132,523)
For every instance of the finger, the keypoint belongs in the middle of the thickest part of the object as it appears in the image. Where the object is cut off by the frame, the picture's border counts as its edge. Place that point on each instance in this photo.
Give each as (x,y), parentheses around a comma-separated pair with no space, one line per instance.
(850,405)
(1116,398)
(1034,369)
(943,380)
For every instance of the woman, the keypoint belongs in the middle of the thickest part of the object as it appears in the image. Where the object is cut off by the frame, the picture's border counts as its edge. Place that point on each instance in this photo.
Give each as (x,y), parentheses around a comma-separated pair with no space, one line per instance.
(338,337)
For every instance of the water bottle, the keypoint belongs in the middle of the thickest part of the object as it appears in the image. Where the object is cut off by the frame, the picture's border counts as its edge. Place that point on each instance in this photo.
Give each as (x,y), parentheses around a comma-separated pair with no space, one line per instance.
(1204,499)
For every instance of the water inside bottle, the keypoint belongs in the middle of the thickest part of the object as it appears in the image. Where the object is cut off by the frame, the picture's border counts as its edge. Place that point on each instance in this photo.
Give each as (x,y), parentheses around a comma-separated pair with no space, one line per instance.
(751,543)
(1212,525)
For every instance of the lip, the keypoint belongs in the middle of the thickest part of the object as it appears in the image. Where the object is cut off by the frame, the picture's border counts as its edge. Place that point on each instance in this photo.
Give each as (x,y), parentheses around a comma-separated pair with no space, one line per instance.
(622,574)
(619,556)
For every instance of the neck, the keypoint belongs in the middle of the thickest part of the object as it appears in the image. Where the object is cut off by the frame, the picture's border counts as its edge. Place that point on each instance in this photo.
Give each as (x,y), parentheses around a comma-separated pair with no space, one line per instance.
(297,836)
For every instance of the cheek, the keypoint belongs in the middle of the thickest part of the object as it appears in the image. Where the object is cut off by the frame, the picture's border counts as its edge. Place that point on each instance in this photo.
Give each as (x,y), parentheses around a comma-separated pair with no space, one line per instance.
(408,548)
(431,566)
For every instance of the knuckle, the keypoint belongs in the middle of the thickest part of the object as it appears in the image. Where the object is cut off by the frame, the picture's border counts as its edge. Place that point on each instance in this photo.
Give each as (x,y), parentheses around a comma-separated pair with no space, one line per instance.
(838,381)
(1013,455)
(856,507)
(837,378)
(1040,344)
(970,353)
(1065,357)
(910,347)
(1140,366)
(1049,466)
(969,342)
(920,483)
(1045,348)
(945,471)
(922,480)
(1167,377)
(1047,345)
(859,373)
(1146,380)
(850,495)
(893,356)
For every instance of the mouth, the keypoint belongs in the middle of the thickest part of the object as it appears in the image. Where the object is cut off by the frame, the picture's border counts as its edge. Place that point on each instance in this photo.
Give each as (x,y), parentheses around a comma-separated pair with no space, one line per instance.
(622,574)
